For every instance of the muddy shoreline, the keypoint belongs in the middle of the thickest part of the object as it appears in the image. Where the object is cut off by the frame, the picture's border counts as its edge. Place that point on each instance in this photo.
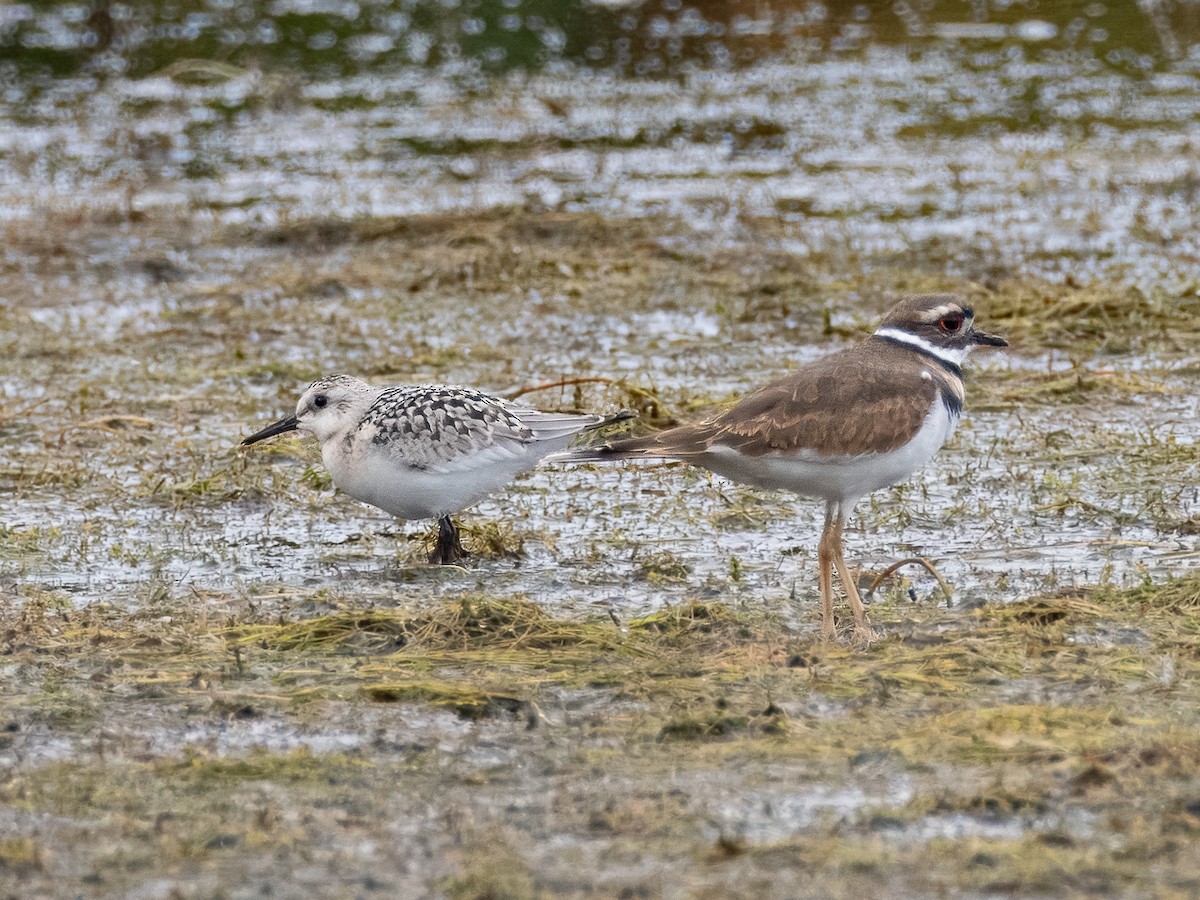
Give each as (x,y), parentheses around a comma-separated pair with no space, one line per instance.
(221,678)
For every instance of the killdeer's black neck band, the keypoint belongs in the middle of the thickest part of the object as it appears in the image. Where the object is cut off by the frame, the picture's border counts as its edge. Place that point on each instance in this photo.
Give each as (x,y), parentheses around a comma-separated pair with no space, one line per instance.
(951,367)
(951,401)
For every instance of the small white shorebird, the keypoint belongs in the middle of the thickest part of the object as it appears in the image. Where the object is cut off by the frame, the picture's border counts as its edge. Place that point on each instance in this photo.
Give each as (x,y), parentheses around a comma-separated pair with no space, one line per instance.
(839,427)
(425,451)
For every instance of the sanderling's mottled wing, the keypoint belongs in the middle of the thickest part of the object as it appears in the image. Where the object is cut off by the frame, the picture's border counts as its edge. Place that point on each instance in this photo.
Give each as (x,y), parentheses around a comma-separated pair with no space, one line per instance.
(440,428)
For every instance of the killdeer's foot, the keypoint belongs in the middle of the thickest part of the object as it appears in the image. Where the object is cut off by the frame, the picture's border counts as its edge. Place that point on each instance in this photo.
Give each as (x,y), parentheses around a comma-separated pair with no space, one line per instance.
(864,636)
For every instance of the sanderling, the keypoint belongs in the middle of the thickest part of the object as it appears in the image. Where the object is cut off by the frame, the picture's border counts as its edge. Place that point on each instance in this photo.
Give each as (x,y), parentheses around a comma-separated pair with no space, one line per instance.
(839,427)
(424,451)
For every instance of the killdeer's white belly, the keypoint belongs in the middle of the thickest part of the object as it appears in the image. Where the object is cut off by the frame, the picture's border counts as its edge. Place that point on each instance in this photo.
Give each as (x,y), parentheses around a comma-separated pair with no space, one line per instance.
(839,478)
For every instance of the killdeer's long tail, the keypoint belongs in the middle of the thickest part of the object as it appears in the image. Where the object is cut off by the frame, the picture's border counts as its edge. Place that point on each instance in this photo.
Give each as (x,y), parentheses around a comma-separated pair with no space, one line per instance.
(674,443)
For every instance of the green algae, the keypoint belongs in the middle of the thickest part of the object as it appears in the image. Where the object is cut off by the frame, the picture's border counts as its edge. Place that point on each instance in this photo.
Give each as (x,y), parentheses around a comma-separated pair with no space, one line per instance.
(1034,719)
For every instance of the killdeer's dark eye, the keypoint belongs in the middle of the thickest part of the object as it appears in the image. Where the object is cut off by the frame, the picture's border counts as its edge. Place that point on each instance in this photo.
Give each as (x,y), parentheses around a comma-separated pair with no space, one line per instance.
(320,400)
(951,323)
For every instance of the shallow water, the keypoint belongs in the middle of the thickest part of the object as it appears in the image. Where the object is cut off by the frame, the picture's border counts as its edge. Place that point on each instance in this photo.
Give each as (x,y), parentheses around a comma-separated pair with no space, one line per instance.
(989,510)
(1063,145)
(188,243)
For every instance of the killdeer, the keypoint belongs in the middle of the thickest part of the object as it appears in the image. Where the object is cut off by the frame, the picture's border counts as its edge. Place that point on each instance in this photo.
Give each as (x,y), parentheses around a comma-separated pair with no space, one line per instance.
(425,451)
(838,428)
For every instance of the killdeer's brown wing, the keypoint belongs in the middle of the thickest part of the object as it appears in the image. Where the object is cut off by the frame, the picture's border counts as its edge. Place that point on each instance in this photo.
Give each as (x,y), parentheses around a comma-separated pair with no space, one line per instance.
(871,398)
(843,405)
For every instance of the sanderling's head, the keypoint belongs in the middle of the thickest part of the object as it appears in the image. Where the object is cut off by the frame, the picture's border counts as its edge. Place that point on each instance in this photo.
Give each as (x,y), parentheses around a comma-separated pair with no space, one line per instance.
(321,410)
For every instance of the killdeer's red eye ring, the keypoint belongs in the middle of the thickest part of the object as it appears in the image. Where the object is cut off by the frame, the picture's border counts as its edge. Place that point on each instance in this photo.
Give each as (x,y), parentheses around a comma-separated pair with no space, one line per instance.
(951,323)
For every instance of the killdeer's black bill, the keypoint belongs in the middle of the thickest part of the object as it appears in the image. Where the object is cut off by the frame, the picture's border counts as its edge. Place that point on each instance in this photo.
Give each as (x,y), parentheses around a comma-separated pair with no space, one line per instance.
(988,340)
(280,427)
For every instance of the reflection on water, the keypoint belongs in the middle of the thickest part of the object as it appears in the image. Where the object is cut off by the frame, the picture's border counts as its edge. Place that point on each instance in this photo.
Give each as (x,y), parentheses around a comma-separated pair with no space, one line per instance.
(876,135)
(331,38)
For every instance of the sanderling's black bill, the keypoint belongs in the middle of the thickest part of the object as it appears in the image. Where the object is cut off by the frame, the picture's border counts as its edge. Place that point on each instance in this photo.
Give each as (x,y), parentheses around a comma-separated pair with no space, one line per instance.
(288,424)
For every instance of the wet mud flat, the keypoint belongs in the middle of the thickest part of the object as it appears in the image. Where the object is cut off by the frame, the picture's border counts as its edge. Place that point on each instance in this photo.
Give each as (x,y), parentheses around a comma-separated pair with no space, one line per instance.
(222,678)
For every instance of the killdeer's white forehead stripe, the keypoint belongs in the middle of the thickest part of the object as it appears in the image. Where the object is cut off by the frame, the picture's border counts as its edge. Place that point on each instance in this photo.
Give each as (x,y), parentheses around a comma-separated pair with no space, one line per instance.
(953,355)
(932,315)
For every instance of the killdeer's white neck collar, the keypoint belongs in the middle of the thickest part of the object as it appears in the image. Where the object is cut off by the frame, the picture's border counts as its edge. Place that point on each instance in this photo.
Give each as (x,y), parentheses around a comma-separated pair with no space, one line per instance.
(950,357)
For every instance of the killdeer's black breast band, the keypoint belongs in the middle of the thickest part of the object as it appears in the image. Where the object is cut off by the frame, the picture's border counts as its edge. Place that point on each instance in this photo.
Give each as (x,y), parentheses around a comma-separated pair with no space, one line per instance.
(952,401)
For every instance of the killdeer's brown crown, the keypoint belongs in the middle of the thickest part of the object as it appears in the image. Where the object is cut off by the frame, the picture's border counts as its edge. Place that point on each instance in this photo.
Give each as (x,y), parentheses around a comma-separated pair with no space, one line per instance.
(941,320)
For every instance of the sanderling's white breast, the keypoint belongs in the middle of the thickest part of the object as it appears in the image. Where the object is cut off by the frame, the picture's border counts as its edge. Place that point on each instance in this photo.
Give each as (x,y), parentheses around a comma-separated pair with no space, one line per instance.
(424,451)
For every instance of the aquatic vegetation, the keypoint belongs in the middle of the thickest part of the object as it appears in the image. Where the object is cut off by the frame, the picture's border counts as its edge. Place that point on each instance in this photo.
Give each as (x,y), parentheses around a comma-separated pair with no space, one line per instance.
(218,674)
(1008,731)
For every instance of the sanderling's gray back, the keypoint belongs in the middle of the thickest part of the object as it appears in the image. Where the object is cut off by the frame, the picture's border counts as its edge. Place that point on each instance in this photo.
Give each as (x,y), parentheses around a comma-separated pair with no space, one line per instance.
(424,451)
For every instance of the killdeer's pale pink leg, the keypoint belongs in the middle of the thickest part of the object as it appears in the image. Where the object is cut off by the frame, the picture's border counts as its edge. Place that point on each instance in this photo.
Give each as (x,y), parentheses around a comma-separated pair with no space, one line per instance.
(863,632)
(825,557)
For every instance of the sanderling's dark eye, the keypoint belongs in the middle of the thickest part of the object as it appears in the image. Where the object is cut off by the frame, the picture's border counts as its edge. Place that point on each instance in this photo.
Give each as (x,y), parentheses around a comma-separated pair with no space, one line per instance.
(320,400)
(951,323)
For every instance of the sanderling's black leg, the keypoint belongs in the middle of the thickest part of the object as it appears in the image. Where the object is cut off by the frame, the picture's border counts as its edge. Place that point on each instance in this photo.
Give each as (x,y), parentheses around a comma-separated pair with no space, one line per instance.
(448,550)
